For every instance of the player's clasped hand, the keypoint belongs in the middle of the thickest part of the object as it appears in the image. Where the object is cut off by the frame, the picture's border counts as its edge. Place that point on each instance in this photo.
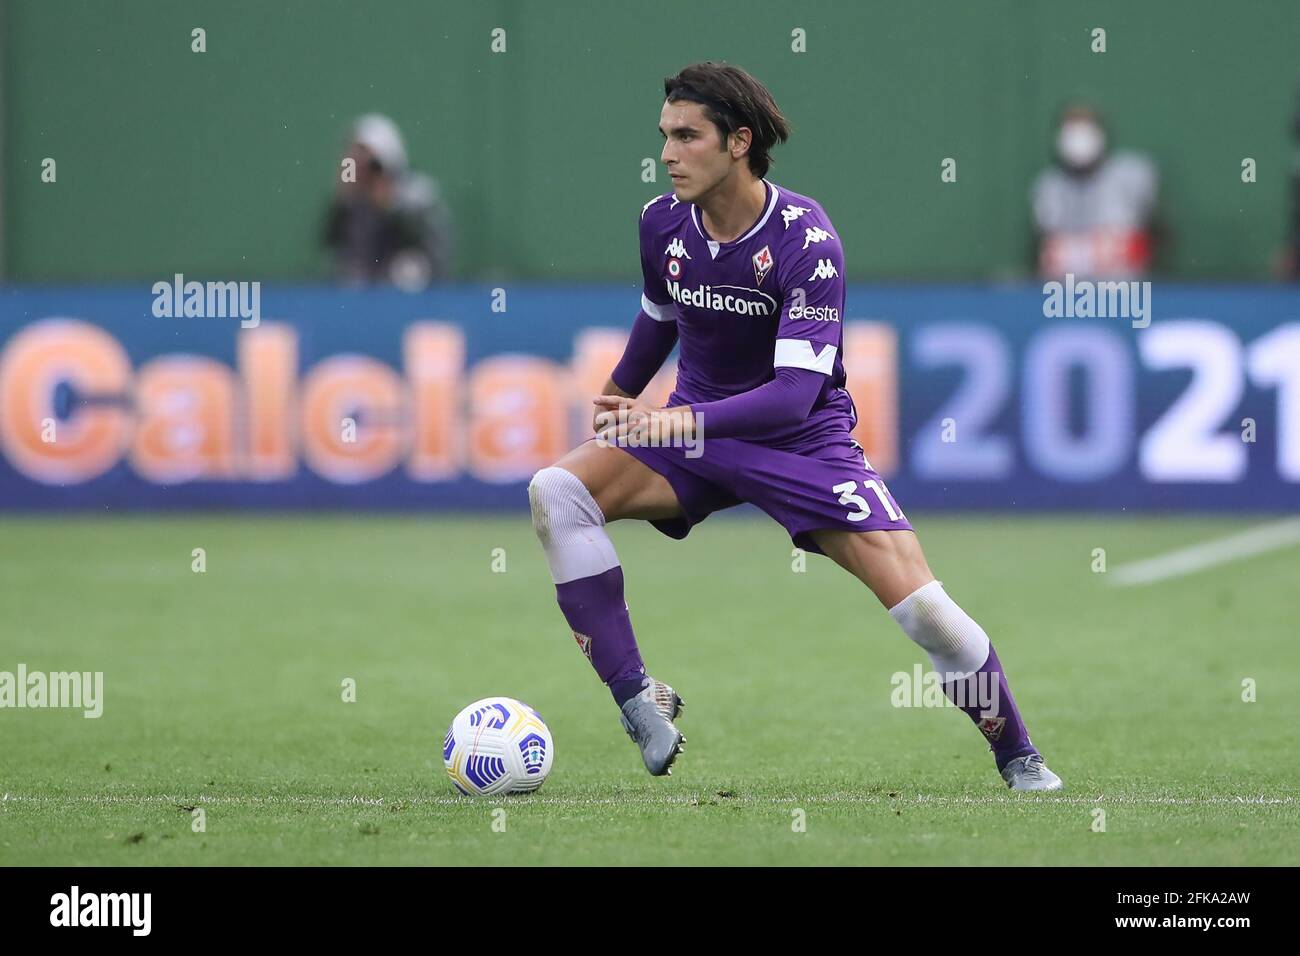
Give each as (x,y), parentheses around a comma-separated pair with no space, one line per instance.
(621,420)
(618,418)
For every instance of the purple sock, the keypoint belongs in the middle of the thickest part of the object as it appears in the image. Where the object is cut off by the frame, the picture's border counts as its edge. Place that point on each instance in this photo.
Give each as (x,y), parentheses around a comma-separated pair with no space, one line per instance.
(597,614)
(1003,728)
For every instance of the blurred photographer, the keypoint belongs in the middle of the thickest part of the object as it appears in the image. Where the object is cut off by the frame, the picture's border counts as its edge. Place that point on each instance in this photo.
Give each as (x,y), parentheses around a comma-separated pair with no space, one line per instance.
(387,224)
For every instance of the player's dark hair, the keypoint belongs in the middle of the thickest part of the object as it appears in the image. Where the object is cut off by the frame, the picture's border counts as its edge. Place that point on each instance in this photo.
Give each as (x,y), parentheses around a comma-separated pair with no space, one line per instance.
(731,99)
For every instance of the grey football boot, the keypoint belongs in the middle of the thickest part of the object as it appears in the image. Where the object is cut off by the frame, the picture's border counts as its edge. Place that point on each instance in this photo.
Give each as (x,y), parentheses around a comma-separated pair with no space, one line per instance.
(648,719)
(1030,773)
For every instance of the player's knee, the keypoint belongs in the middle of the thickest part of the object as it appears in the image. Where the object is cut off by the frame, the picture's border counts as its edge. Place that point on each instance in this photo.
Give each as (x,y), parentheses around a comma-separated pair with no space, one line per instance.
(909,573)
(559,500)
(952,638)
(541,492)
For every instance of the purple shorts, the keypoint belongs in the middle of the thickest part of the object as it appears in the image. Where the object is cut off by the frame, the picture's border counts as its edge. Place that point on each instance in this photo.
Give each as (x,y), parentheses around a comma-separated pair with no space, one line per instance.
(828,487)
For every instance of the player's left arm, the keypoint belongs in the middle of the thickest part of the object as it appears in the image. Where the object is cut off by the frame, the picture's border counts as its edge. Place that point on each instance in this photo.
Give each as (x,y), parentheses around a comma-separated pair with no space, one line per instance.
(812,310)
(785,400)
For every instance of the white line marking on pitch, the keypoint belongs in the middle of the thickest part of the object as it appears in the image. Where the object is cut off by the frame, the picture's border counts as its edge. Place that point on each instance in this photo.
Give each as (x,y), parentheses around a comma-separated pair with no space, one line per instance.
(305,800)
(1209,554)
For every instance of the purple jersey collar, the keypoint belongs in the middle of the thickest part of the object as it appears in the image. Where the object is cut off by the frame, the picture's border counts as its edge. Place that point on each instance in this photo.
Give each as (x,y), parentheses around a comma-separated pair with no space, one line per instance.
(772,195)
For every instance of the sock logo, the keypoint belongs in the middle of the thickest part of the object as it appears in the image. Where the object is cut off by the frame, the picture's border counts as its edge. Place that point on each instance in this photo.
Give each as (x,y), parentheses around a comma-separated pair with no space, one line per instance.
(991,727)
(584,644)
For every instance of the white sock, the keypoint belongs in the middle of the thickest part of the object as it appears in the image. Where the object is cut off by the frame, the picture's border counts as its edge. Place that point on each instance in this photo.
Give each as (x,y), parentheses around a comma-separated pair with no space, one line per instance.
(570,526)
(958,647)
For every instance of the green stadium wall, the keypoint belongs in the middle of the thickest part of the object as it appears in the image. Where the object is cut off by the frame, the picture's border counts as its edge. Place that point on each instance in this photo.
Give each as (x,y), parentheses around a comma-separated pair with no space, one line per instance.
(219,164)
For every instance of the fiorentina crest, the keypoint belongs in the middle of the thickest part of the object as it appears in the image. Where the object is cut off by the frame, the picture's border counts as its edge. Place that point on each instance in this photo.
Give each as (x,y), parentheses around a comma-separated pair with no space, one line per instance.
(584,643)
(991,727)
(762,264)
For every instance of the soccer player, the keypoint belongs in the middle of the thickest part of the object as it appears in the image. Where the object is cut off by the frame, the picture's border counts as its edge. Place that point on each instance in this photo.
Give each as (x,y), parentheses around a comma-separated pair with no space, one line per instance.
(748,277)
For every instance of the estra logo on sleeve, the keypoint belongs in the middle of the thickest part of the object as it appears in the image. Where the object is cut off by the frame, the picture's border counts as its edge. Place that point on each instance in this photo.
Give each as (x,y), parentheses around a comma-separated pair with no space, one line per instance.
(817,313)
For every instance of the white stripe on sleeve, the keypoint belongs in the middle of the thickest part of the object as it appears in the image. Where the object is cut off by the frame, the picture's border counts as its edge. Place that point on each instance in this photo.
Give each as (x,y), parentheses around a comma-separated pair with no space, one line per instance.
(660,313)
(798,353)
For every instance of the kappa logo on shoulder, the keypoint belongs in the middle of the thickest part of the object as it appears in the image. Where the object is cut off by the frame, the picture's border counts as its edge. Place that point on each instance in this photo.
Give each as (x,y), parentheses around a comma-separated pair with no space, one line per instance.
(677,249)
(792,212)
(815,234)
(825,270)
(763,263)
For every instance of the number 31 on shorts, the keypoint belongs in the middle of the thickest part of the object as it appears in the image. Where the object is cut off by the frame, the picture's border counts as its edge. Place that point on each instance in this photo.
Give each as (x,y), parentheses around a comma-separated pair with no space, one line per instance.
(847,489)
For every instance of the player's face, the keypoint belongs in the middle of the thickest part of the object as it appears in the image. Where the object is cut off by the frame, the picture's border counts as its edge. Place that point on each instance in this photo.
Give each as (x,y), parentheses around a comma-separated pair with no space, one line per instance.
(693,150)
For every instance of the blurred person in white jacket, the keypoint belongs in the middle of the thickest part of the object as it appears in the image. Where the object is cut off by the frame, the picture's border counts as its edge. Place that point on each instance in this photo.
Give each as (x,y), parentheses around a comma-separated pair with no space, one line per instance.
(1094,209)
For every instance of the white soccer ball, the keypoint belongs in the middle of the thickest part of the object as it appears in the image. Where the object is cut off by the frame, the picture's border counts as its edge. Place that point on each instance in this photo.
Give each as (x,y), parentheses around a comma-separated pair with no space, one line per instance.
(498,745)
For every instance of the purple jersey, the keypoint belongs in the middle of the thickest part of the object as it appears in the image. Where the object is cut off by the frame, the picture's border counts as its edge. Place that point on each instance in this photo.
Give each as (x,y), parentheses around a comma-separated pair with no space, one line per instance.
(774,297)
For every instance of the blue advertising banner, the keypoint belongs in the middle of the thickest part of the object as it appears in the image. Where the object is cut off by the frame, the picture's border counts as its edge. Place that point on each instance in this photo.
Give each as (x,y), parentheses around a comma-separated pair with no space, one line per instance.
(194,395)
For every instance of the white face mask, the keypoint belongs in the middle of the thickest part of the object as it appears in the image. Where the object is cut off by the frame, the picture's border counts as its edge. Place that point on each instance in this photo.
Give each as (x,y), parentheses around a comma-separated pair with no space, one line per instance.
(1080,143)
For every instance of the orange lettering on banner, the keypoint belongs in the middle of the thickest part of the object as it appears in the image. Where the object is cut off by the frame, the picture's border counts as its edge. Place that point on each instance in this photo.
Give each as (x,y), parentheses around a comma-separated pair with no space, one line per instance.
(91,440)
(871,366)
(184,420)
(433,354)
(371,395)
(268,366)
(518,415)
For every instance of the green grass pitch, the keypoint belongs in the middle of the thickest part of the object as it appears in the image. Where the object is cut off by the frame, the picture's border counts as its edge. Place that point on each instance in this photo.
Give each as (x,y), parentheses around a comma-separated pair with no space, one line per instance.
(223,692)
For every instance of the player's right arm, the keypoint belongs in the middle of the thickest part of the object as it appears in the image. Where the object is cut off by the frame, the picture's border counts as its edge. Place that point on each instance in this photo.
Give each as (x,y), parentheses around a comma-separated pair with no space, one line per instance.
(654,332)
(648,347)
